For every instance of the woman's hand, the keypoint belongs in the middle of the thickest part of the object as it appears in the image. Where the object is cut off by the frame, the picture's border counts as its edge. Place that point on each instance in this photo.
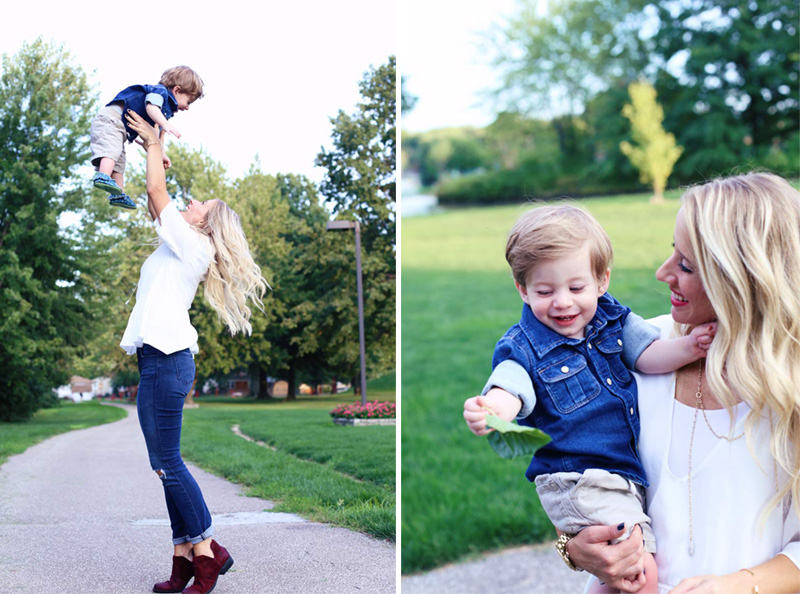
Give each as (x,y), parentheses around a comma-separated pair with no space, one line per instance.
(618,565)
(703,584)
(145,131)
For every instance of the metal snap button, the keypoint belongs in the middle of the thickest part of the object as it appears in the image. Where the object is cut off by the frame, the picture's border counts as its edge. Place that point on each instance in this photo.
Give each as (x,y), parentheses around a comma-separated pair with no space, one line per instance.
(565,369)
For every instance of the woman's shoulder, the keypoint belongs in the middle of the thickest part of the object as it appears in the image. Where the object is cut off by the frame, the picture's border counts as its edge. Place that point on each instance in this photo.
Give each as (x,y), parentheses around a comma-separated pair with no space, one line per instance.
(665,324)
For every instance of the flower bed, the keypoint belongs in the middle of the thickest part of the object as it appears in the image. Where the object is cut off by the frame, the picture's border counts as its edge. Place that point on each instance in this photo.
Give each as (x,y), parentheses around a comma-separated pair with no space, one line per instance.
(370,410)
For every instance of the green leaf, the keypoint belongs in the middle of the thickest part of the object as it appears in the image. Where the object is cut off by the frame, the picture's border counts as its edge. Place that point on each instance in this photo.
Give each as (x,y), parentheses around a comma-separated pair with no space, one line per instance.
(510,440)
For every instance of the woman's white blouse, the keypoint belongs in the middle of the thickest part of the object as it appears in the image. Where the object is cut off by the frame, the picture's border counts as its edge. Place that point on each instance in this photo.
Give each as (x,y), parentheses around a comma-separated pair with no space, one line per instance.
(731,485)
(167,285)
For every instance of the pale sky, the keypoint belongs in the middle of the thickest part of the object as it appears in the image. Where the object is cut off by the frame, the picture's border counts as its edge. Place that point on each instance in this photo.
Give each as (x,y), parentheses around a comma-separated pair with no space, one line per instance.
(442,62)
(274,72)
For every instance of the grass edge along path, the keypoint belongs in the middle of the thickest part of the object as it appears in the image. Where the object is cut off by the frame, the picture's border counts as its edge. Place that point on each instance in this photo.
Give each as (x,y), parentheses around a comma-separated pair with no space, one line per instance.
(15,438)
(343,476)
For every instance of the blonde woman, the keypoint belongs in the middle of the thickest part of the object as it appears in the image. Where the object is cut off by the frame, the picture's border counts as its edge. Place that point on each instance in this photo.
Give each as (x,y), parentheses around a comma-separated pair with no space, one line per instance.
(203,244)
(720,440)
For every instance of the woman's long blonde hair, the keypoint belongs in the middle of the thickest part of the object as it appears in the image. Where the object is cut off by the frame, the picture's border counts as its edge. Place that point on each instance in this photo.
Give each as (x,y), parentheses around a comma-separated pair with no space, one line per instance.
(745,235)
(233,276)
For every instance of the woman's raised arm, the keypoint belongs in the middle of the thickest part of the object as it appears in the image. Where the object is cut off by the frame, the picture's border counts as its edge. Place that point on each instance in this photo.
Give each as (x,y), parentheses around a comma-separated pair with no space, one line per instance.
(157,196)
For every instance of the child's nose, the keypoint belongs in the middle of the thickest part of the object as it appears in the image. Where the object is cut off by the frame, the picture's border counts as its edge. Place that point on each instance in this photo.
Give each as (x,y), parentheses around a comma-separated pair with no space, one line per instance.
(563,300)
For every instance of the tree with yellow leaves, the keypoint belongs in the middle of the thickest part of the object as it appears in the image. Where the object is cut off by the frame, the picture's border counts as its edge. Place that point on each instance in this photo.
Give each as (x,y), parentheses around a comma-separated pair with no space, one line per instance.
(656,151)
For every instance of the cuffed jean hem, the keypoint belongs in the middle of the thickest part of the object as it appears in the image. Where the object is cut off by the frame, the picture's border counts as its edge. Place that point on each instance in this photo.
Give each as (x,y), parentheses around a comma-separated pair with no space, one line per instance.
(194,539)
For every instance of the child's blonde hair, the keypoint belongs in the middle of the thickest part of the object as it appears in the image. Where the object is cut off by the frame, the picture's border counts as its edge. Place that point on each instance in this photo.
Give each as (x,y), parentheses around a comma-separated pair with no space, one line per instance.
(185,78)
(549,232)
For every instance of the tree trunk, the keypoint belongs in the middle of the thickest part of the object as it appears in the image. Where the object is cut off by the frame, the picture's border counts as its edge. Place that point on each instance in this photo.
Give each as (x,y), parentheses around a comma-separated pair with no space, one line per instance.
(334,384)
(356,384)
(291,393)
(262,391)
(658,196)
(189,402)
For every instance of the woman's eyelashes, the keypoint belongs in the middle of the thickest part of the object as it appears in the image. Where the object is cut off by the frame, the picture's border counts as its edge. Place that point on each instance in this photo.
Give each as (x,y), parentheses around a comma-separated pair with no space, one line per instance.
(681,265)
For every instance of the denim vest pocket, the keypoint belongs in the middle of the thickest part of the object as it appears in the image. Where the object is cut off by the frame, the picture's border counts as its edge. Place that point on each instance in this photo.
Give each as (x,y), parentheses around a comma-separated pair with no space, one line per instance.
(570,382)
(611,347)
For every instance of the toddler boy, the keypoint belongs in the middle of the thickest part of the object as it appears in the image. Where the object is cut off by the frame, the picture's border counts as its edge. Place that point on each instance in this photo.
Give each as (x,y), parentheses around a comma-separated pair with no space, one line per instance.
(565,369)
(178,89)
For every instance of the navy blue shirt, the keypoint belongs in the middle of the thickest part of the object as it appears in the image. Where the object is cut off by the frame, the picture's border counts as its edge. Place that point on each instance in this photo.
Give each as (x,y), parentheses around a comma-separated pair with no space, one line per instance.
(586,396)
(133,98)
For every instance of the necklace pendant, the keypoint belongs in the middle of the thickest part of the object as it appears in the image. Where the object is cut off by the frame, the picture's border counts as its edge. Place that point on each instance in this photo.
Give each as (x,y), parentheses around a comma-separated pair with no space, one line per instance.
(691,549)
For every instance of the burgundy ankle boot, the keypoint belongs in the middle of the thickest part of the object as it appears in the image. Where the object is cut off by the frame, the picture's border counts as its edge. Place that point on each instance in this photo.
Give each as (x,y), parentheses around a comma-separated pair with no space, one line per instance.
(207,569)
(182,572)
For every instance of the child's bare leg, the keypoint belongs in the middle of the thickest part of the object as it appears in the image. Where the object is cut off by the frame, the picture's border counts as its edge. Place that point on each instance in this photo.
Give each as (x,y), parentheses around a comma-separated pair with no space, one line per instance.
(107,166)
(650,574)
(118,177)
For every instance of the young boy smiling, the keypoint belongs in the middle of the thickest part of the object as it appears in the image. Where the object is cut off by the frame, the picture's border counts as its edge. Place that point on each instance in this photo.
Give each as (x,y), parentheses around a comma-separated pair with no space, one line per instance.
(565,368)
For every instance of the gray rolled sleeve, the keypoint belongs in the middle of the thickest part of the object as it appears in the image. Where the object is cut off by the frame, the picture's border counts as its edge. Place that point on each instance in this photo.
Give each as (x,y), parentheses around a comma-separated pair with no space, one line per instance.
(637,335)
(512,377)
(155,99)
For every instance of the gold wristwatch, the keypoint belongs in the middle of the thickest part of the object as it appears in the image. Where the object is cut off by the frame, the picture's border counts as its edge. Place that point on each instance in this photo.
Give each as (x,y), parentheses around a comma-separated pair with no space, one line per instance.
(561,547)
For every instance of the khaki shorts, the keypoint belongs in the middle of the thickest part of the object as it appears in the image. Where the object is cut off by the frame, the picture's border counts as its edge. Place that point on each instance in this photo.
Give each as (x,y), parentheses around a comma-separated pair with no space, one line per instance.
(108,138)
(574,501)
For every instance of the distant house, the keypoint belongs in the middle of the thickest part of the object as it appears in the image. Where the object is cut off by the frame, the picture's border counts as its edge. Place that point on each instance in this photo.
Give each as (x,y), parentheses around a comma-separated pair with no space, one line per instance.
(239,384)
(101,386)
(81,389)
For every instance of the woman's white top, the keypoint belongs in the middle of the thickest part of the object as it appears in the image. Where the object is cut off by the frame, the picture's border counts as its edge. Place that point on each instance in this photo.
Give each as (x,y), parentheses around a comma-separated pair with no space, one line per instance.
(167,285)
(730,486)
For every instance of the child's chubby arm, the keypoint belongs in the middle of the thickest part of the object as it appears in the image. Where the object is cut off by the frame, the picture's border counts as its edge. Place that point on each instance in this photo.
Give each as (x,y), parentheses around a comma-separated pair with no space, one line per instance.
(496,401)
(154,111)
(663,356)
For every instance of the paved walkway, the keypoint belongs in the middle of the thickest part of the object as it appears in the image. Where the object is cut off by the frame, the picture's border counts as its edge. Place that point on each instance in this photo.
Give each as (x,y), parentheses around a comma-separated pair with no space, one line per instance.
(525,570)
(83,513)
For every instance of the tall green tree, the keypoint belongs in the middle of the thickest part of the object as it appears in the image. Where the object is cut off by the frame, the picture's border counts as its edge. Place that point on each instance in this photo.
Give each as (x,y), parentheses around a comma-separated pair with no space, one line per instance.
(726,72)
(655,151)
(359,184)
(52,280)
(554,56)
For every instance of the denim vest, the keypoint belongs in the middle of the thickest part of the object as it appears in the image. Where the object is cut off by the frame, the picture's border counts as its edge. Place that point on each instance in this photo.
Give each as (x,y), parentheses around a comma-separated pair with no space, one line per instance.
(586,397)
(133,98)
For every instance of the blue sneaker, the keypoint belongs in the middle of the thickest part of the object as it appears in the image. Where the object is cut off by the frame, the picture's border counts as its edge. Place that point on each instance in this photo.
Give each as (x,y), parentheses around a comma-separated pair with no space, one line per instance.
(104,182)
(122,200)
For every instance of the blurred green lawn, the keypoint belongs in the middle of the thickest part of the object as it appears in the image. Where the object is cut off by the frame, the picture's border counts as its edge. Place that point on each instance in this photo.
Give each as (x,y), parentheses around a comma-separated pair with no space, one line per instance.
(458,497)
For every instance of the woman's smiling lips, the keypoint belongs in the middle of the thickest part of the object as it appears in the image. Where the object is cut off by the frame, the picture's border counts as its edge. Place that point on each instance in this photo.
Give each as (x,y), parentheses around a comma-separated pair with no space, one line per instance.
(677,299)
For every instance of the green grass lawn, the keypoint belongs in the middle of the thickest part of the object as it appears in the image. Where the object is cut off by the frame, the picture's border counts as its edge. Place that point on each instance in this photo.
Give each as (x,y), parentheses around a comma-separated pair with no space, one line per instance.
(458,497)
(325,472)
(15,438)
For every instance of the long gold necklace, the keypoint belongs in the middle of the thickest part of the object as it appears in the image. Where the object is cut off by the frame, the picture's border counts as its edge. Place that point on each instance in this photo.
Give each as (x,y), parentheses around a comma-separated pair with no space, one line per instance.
(730,438)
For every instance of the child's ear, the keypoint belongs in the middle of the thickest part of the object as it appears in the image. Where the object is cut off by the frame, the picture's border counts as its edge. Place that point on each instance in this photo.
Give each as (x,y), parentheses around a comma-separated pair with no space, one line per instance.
(603,286)
(523,291)
(176,89)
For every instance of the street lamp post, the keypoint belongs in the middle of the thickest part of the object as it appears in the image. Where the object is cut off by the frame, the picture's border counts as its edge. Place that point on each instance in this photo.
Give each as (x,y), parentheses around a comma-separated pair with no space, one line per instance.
(335,226)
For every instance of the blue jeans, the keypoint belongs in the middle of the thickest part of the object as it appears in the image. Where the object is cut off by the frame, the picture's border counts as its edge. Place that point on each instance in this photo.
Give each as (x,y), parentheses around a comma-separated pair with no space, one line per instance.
(164,382)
